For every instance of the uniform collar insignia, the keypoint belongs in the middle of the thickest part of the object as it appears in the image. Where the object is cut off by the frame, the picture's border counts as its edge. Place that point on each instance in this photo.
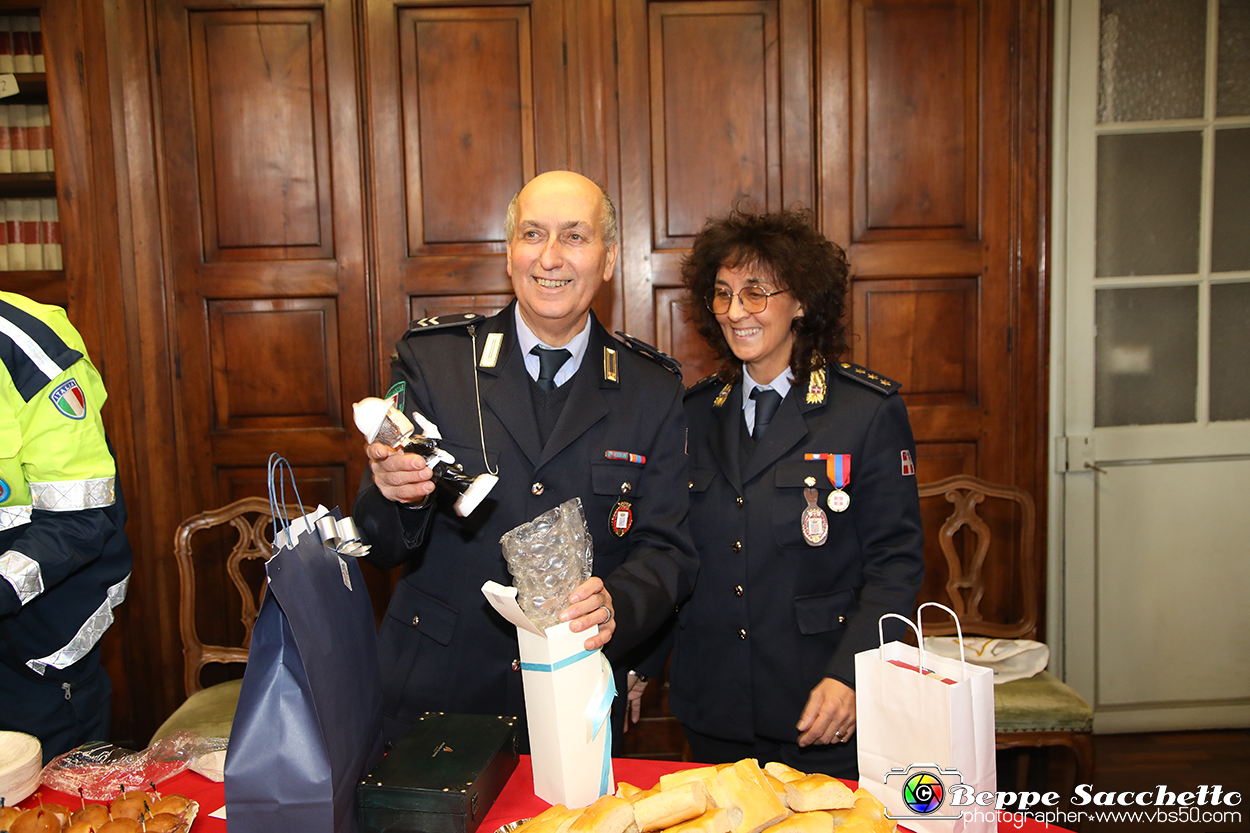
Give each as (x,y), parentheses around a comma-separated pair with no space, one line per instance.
(490,353)
(609,365)
(816,387)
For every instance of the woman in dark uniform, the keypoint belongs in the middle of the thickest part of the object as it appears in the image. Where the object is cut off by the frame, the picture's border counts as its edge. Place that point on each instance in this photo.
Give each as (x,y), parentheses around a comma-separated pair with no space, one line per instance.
(803,502)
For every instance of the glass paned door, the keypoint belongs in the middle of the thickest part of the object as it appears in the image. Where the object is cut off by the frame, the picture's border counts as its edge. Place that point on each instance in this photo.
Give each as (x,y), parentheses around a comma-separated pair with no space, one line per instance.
(1172,209)
(1152,392)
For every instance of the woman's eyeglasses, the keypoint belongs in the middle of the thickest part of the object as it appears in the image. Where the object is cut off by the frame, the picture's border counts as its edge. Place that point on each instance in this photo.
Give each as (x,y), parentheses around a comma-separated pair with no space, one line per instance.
(753,299)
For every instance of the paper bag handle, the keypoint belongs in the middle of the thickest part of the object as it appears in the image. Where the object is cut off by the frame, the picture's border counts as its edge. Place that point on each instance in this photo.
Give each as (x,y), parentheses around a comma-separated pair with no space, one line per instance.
(910,624)
(277,484)
(963,662)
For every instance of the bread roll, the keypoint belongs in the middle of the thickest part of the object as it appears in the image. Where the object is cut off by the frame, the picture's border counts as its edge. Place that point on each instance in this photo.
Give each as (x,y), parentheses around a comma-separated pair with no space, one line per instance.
(607,815)
(555,819)
(684,776)
(867,816)
(814,822)
(745,792)
(778,786)
(783,773)
(669,807)
(818,792)
(715,820)
(637,795)
(868,803)
(625,789)
(856,823)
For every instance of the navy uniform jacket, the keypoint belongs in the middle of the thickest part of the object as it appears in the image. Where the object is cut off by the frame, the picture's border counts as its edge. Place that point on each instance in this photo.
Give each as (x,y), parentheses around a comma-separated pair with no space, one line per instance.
(441,646)
(771,615)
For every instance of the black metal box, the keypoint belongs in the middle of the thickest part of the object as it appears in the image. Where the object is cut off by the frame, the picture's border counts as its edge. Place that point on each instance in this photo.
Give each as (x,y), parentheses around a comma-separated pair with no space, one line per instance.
(441,777)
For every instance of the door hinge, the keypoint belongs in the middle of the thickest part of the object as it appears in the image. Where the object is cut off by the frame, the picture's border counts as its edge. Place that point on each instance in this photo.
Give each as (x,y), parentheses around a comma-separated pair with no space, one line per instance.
(1075,455)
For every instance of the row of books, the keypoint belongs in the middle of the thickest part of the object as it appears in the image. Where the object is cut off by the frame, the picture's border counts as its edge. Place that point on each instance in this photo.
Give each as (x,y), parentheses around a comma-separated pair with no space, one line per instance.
(30,235)
(21,44)
(25,138)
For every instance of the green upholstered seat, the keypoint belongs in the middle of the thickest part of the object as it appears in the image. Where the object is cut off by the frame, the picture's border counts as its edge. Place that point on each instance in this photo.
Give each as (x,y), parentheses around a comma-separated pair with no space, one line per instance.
(208,712)
(1041,703)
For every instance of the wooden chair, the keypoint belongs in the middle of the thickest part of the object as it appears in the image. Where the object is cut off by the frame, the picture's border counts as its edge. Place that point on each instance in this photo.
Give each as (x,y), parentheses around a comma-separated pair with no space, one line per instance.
(1035,712)
(210,711)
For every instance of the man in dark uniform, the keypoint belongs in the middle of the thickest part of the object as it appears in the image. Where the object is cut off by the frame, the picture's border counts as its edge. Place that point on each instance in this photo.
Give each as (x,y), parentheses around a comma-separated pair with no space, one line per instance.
(541,395)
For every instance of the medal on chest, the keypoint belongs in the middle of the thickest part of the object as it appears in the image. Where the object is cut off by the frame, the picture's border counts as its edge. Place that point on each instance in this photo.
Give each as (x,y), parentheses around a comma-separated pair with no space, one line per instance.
(814,521)
(838,470)
(622,516)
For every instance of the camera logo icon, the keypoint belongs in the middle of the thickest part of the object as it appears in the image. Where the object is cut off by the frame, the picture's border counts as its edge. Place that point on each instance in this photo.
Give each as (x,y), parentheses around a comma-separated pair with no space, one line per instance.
(923,789)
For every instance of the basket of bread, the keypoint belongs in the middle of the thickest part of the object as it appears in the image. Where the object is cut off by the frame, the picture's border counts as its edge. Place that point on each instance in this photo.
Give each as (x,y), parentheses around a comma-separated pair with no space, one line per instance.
(728,798)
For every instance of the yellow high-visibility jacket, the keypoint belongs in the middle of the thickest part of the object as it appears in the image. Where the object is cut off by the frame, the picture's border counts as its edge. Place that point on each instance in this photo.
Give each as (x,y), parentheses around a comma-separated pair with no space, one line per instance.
(64,558)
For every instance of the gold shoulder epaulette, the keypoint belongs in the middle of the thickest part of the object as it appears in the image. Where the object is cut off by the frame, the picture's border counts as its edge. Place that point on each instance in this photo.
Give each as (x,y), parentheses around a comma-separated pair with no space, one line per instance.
(865,376)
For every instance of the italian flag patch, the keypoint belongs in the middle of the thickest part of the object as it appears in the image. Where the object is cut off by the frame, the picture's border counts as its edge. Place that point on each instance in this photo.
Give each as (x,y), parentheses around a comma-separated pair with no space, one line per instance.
(69,399)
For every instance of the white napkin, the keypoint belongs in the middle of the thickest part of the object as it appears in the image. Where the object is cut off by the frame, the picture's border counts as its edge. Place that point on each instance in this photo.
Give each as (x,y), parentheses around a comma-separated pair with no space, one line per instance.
(21,761)
(212,766)
(1010,659)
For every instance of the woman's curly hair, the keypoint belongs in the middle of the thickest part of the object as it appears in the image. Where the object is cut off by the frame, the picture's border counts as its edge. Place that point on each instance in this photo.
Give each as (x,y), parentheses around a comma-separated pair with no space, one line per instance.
(786,246)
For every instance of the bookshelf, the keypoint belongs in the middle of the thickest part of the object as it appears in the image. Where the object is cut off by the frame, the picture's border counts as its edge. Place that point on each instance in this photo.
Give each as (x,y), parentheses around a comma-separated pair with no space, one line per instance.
(31,257)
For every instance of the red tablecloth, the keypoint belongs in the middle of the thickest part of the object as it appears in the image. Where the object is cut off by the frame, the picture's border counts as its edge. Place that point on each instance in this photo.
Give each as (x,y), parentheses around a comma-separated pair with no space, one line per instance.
(517,801)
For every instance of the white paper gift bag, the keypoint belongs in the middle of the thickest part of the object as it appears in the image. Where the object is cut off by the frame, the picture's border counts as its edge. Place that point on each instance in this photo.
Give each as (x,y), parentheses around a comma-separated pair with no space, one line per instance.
(925,726)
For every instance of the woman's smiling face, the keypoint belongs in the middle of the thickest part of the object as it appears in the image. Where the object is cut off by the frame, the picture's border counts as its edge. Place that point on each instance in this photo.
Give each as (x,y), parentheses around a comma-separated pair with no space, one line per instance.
(762,340)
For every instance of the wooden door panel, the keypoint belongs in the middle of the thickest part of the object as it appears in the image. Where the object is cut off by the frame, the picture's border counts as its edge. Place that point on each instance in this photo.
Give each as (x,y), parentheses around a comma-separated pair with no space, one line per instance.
(259,92)
(919,93)
(275,364)
(467,104)
(675,335)
(425,306)
(915,76)
(715,107)
(322,485)
(467,93)
(924,334)
(715,102)
(261,168)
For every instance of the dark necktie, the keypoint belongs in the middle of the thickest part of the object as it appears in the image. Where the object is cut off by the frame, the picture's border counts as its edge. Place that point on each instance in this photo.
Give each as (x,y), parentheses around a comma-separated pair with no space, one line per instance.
(549,363)
(766,402)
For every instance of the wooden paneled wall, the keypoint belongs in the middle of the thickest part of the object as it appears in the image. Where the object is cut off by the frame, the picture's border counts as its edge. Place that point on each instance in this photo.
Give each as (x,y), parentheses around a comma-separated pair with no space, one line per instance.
(290,182)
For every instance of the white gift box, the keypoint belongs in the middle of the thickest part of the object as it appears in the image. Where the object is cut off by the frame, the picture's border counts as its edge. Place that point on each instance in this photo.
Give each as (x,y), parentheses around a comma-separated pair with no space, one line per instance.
(568,701)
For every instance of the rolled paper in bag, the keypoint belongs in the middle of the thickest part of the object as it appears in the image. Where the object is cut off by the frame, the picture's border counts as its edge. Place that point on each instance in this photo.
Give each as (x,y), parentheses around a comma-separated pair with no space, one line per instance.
(548,558)
(381,422)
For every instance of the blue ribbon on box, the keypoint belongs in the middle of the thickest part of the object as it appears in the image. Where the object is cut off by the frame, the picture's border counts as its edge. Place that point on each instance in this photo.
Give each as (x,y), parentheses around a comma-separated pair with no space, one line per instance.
(597,711)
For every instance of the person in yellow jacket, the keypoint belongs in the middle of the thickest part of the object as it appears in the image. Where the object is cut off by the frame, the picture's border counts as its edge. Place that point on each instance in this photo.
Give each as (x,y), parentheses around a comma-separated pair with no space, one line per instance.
(64,557)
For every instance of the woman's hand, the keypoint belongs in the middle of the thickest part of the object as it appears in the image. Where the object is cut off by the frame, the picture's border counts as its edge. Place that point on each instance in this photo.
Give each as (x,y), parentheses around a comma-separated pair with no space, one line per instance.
(829,716)
(591,604)
(633,709)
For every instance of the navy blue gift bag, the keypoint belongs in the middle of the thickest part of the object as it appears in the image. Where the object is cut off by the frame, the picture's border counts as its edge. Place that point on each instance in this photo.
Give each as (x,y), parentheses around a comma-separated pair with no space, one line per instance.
(308,724)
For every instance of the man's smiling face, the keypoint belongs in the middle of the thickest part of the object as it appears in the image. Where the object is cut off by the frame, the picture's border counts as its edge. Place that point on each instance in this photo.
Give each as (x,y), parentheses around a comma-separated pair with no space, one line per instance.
(557,258)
